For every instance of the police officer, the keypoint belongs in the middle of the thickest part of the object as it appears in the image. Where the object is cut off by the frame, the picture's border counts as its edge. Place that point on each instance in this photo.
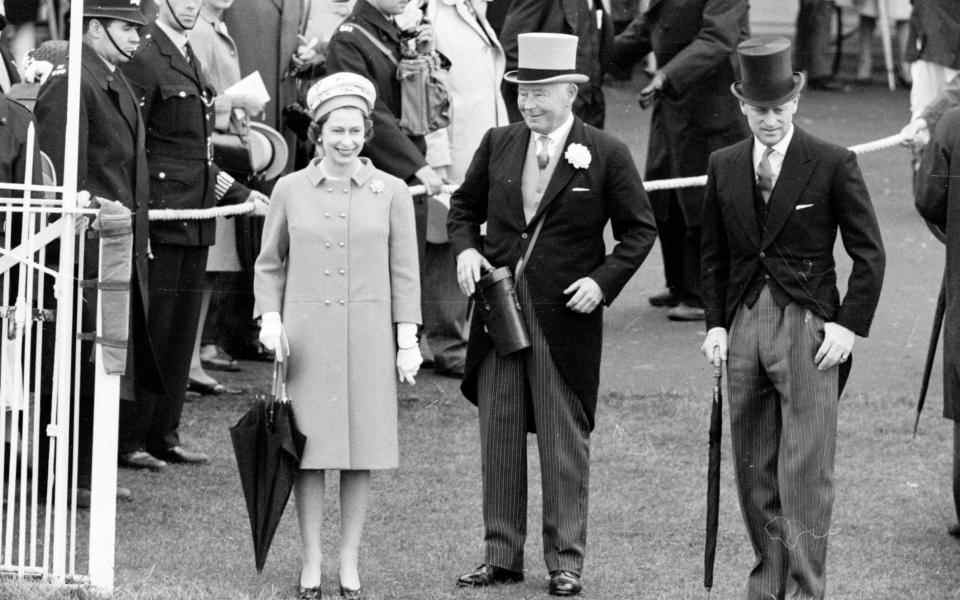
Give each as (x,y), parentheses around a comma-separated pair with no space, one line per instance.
(176,104)
(111,164)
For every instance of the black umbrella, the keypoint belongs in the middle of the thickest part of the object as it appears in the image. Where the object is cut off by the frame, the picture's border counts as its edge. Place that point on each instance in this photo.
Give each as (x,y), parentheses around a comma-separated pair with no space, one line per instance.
(267,446)
(931,351)
(713,477)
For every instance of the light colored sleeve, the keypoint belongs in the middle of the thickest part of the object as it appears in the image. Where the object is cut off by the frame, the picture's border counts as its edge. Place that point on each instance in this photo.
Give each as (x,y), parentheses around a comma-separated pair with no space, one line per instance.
(404,258)
(270,270)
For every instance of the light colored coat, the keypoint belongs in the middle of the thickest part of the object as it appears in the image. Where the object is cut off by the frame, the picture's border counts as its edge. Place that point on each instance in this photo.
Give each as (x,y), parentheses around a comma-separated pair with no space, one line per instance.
(473,81)
(338,260)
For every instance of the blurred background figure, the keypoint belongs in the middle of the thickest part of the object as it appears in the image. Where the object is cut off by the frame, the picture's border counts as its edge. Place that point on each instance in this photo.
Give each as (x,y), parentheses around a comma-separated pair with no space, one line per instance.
(811,44)
(589,20)
(933,50)
(344,357)
(8,68)
(898,11)
(477,65)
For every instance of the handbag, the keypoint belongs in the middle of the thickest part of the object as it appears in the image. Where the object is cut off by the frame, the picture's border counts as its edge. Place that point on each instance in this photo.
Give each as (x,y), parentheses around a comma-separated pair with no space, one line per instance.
(424,98)
(497,304)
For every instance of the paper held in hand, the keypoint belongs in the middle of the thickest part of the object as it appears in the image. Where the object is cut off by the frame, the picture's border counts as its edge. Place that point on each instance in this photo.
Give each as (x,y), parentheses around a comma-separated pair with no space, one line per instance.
(250,93)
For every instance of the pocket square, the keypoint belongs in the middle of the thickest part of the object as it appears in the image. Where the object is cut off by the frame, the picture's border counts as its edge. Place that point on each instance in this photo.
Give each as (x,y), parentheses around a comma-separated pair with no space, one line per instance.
(580,189)
(803,206)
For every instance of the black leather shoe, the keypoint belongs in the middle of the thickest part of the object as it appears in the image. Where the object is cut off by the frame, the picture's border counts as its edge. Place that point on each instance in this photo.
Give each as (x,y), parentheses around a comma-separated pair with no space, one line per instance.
(954,530)
(310,593)
(83,496)
(685,312)
(141,459)
(564,583)
(664,298)
(485,575)
(180,455)
(356,594)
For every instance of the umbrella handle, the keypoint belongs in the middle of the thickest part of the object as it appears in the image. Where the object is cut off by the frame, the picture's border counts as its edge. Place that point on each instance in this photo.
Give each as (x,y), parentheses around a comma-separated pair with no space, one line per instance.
(717,364)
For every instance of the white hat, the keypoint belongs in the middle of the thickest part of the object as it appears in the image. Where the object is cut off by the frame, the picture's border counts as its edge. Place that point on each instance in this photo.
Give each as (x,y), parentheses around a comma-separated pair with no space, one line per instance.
(546,58)
(268,151)
(339,90)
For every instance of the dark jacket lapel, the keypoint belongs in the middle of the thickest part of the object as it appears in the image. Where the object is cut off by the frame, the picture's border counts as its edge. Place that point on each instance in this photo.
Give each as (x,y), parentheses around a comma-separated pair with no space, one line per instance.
(166,47)
(111,83)
(797,167)
(742,195)
(511,160)
(564,171)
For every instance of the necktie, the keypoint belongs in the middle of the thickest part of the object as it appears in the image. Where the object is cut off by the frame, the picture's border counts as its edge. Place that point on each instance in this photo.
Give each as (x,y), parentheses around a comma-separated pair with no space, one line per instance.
(765,174)
(188,54)
(543,152)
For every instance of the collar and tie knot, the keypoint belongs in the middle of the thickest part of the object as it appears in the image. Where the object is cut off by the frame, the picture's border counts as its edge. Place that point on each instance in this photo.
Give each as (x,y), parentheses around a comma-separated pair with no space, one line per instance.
(543,151)
(765,174)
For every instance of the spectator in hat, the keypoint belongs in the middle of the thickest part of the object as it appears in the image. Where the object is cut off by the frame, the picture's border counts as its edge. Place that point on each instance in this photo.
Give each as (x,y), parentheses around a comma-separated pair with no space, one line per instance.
(336,306)
(772,210)
(175,100)
(553,182)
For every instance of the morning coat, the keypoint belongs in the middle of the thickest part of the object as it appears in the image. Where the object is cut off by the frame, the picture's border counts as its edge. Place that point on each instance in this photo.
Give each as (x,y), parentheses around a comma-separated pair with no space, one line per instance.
(338,261)
(576,205)
(939,202)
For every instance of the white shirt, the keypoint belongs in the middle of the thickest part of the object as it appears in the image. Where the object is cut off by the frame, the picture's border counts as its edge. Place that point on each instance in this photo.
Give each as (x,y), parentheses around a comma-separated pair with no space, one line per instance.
(776,157)
(555,138)
(179,38)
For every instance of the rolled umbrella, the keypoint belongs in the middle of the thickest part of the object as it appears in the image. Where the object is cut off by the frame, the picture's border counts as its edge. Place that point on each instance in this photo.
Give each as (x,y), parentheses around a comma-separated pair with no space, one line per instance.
(267,447)
(713,477)
(931,351)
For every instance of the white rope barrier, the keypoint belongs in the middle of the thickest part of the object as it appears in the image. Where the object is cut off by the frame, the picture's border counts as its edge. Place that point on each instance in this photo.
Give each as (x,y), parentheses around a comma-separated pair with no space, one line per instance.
(655,185)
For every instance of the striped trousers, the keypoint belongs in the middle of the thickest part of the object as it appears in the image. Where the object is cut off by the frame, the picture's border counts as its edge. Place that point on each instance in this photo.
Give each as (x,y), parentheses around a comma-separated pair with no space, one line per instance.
(513,391)
(783,424)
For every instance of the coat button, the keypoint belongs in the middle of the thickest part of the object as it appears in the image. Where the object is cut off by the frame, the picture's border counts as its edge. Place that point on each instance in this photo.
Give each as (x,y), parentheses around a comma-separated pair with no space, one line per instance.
(343,215)
(763,254)
(346,190)
(329,189)
(341,244)
(326,271)
(327,215)
(523,236)
(343,271)
(327,302)
(183,94)
(161,175)
(341,302)
(766,276)
(328,244)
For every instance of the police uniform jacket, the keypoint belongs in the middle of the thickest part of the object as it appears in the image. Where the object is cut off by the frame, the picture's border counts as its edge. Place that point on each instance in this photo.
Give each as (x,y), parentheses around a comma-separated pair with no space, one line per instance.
(177,108)
(694,42)
(391,149)
(110,159)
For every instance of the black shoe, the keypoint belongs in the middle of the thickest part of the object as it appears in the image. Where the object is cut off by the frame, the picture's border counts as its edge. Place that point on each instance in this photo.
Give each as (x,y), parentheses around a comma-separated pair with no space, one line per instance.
(485,575)
(180,455)
(826,84)
(954,530)
(685,312)
(665,298)
(356,594)
(310,593)
(141,459)
(83,496)
(564,583)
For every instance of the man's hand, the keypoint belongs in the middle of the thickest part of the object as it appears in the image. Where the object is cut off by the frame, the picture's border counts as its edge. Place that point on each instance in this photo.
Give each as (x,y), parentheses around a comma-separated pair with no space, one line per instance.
(916,133)
(425,39)
(470,266)
(260,201)
(836,347)
(429,178)
(656,84)
(715,346)
(586,295)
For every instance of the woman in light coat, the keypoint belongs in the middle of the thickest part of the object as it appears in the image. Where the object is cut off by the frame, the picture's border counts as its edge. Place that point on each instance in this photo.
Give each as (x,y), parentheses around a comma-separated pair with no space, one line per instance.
(337,270)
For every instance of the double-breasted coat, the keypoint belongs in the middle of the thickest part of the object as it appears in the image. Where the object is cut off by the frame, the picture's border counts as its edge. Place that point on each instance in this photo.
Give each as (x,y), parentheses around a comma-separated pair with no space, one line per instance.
(577,204)
(694,42)
(938,200)
(338,261)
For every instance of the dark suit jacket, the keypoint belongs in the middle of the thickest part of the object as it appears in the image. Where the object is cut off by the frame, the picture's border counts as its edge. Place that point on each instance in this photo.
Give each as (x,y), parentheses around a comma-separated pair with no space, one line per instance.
(176,104)
(938,200)
(577,205)
(820,191)
(349,50)
(593,49)
(694,42)
(111,161)
(933,32)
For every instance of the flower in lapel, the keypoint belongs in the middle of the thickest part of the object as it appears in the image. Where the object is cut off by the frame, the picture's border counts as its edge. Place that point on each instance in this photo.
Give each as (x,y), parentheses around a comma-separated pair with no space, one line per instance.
(578,156)
(376,186)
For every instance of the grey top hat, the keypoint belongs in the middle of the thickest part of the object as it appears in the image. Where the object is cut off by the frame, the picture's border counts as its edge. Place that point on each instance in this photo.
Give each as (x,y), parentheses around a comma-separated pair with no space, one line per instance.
(546,58)
(768,78)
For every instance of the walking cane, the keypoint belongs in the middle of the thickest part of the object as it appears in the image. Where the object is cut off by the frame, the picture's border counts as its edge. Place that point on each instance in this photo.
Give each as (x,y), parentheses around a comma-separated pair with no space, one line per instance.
(713,475)
(931,351)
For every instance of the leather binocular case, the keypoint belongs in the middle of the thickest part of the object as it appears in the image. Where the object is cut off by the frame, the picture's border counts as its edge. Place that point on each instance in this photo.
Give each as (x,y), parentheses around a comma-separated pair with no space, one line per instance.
(499,308)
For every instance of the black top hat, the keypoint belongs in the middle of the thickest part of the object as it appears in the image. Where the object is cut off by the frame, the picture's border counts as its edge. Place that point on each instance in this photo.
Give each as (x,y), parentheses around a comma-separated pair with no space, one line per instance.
(767,73)
(121,10)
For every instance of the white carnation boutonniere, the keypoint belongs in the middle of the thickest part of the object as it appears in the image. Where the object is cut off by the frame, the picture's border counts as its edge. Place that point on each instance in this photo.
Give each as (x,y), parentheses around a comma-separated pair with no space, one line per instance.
(578,156)
(376,186)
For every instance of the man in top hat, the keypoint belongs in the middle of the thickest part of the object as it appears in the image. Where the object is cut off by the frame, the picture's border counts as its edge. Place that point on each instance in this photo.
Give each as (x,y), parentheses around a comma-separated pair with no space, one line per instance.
(772,209)
(111,163)
(176,103)
(555,173)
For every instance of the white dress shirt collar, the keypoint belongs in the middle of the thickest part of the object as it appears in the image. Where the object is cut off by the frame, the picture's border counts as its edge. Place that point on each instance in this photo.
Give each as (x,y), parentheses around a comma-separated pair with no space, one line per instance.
(558,136)
(179,38)
(779,149)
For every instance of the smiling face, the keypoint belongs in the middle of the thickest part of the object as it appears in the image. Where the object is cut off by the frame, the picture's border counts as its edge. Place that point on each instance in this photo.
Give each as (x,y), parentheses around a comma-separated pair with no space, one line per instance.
(546,106)
(770,124)
(342,136)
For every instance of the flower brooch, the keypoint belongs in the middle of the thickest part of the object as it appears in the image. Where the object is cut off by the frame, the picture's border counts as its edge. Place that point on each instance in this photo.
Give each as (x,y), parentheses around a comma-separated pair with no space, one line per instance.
(376,186)
(578,156)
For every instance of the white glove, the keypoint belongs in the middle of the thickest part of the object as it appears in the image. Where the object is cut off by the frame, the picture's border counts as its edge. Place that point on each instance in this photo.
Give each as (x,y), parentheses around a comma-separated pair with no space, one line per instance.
(271,333)
(715,346)
(260,201)
(916,133)
(408,354)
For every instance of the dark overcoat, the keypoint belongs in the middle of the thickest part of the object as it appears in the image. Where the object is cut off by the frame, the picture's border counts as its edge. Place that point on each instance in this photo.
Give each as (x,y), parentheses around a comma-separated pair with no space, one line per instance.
(576,205)
(177,106)
(574,17)
(933,33)
(939,202)
(694,42)
(391,149)
(820,192)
